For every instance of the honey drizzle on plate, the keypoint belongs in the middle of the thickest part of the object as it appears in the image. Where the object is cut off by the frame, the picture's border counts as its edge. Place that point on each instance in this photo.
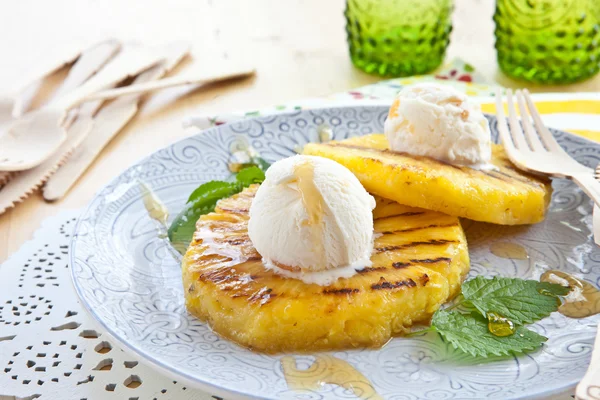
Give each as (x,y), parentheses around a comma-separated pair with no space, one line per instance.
(509,250)
(156,209)
(582,301)
(327,370)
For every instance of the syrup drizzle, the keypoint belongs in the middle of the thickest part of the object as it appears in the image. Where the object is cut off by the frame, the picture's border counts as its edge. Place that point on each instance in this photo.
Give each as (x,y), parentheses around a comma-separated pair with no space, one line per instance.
(328,370)
(509,250)
(313,204)
(582,301)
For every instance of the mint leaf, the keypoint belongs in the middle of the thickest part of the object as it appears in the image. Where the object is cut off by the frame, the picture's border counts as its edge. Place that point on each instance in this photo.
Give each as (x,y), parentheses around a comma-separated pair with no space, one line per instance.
(521,301)
(260,163)
(254,161)
(470,334)
(203,200)
(211,189)
(249,176)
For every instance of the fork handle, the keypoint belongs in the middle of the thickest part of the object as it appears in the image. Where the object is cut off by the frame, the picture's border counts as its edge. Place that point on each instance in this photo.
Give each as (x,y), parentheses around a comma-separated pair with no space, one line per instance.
(590,185)
(592,376)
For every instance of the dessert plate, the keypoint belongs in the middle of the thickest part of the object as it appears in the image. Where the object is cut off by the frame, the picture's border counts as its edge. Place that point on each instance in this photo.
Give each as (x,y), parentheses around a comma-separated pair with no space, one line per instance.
(129,279)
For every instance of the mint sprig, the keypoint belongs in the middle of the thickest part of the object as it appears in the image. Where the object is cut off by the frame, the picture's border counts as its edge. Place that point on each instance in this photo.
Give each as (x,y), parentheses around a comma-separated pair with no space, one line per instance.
(203,200)
(516,300)
(470,334)
(521,301)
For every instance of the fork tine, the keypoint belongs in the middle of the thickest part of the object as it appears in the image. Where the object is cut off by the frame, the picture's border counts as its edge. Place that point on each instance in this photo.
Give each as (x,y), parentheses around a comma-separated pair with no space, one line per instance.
(515,129)
(502,127)
(547,137)
(530,133)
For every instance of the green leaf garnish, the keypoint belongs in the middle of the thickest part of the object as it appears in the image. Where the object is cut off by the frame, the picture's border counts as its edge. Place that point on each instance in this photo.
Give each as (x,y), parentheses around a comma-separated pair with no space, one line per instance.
(203,200)
(469,333)
(253,161)
(211,189)
(249,176)
(521,301)
(499,307)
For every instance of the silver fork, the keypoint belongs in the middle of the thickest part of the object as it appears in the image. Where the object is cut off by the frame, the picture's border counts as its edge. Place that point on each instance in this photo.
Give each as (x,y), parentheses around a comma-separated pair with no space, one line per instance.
(535,149)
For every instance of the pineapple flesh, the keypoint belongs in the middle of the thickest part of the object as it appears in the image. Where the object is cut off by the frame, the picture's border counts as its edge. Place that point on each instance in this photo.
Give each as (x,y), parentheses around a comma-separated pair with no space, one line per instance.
(419,261)
(504,196)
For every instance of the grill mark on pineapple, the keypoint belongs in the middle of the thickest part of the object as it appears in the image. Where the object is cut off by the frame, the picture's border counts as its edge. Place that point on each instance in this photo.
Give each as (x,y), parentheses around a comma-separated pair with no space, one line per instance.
(424,159)
(515,177)
(417,228)
(504,177)
(406,214)
(530,179)
(366,270)
(241,211)
(431,260)
(401,265)
(237,241)
(341,291)
(414,244)
(263,296)
(383,284)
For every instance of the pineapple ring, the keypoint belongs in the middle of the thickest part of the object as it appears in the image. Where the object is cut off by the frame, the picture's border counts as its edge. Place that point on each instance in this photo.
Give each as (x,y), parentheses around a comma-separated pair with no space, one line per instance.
(419,261)
(505,196)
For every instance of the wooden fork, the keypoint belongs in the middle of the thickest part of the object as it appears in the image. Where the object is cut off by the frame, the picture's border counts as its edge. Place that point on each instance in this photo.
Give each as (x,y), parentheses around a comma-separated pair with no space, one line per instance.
(534,149)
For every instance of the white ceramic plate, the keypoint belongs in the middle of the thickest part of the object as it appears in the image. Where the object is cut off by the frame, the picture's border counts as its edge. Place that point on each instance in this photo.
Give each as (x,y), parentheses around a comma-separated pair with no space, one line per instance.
(128,279)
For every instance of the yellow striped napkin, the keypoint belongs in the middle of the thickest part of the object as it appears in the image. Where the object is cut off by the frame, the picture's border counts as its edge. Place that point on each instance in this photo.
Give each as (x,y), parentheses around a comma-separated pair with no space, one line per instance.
(577,113)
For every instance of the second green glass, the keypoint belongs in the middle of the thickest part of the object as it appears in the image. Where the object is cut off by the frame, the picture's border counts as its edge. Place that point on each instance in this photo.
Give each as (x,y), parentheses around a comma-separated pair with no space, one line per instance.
(398,37)
(548,41)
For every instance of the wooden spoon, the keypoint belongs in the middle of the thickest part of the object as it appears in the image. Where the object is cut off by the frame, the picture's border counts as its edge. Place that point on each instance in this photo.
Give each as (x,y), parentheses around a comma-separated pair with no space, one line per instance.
(34,137)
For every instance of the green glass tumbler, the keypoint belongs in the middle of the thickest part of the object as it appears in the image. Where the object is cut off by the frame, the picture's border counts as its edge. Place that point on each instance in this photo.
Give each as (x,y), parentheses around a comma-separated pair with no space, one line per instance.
(398,37)
(548,41)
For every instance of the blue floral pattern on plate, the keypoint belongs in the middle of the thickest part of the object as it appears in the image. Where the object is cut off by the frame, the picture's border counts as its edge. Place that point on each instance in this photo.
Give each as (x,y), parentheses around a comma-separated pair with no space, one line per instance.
(129,280)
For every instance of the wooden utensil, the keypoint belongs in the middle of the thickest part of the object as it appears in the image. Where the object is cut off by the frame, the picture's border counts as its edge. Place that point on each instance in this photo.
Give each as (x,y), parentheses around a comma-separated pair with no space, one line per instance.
(596,214)
(536,150)
(589,387)
(37,135)
(90,62)
(107,123)
(29,181)
(229,73)
(12,105)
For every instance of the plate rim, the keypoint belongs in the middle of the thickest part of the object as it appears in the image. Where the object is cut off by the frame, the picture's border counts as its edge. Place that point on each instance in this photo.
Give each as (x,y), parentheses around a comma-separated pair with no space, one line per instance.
(196,381)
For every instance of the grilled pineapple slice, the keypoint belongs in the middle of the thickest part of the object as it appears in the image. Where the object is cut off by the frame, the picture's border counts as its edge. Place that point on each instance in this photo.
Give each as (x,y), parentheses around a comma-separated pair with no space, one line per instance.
(506,196)
(419,261)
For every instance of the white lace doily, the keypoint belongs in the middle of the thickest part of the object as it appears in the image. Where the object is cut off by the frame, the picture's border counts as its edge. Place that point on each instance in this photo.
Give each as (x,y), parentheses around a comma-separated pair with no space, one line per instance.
(49,347)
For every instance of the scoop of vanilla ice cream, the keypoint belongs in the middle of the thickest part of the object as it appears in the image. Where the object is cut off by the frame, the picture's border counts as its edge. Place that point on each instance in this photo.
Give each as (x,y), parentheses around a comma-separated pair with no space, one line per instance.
(439,122)
(311,219)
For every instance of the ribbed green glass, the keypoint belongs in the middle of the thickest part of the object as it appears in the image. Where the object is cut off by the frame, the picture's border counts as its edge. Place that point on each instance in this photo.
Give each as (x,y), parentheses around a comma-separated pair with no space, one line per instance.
(548,41)
(398,37)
